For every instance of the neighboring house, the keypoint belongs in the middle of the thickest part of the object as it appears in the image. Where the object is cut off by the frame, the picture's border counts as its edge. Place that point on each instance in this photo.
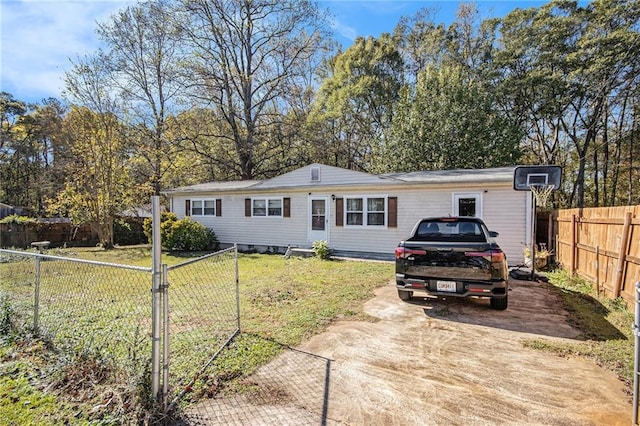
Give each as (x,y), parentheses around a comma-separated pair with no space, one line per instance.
(6,210)
(141,212)
(356,213)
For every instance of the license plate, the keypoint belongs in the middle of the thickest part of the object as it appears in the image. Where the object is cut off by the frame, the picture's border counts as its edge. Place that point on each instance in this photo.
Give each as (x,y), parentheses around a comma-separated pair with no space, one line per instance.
(449,286)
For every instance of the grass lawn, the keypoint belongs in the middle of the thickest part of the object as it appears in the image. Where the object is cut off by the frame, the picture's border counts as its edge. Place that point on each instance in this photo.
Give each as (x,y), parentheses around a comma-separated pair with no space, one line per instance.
(605,326)
(282,302)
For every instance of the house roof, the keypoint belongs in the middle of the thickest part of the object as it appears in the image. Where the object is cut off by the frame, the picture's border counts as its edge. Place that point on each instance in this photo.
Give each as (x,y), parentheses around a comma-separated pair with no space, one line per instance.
(327,176)
(215,186)
(145,210)
(500,174)
(335,176)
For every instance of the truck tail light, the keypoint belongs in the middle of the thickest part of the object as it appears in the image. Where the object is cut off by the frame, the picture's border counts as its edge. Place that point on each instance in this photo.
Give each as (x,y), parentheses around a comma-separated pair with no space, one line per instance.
(403,253)
(493,256)
(497,256)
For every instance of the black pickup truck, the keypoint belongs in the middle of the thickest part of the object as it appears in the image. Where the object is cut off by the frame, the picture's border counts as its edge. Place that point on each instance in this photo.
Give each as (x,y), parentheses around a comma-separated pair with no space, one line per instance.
(452,256)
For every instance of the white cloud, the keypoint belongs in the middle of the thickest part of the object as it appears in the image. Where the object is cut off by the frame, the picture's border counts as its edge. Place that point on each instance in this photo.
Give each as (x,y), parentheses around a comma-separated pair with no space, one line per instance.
(38,38)
(344,30)
(354,18)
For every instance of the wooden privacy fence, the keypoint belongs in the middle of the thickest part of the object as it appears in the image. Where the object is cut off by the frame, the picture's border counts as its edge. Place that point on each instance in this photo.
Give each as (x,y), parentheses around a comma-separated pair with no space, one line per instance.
(602,245)
(127,231)
(21,235)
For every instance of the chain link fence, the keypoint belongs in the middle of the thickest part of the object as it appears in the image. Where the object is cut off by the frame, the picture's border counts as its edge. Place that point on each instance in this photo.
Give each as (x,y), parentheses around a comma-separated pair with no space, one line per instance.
(94,320)
(81,305)
(105,310)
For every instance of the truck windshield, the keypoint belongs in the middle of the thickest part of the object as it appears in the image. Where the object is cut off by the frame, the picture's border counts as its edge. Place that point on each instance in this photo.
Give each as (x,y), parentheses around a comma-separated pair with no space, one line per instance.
(449,230)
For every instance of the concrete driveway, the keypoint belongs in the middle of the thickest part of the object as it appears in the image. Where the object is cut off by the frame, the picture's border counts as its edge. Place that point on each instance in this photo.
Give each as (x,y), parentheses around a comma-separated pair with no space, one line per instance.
(431,362)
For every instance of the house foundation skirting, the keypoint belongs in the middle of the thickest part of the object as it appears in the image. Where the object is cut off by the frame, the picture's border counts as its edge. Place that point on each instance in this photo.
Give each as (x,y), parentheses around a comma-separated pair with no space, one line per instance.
(308,252)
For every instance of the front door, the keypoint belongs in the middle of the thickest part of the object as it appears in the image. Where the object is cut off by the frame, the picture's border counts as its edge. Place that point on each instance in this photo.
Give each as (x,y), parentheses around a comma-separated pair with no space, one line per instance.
(318,219)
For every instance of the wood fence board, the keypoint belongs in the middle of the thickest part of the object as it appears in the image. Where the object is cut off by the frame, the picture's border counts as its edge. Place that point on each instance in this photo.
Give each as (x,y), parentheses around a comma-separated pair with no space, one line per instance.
(592,242)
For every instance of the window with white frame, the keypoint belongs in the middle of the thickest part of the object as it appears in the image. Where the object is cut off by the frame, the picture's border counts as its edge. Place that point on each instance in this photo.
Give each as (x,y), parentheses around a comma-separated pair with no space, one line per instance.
(203,207)
(375,211)
(467,204)
(366,211)
(266,207)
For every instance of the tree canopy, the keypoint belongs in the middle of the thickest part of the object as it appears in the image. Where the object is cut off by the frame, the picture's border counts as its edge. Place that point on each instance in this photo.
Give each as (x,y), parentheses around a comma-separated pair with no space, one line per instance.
(187,91)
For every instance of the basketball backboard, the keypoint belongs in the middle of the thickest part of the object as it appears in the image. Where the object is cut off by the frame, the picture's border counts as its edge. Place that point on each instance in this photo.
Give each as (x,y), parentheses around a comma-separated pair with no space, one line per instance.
(526,176)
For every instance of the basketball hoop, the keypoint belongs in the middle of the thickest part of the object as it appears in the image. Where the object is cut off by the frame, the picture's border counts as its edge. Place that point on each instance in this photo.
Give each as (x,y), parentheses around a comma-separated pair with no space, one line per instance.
(541,181)
(541,193)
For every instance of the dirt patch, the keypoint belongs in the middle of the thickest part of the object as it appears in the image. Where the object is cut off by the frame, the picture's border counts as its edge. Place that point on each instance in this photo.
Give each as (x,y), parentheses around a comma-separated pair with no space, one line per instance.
(445,361)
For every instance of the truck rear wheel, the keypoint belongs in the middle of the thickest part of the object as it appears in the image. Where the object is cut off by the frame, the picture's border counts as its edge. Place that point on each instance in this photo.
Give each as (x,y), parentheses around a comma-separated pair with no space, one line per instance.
(405,295)
(499,303)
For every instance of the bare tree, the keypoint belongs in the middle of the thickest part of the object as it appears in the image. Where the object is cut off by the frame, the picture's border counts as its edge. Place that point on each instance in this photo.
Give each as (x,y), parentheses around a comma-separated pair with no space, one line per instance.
(249,57)
(144,59)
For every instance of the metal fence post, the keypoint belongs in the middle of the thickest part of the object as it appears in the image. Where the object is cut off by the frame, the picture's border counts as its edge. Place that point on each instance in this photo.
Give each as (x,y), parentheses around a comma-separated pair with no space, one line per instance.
(636,332)
(36,296)
(235,254)
(156,298)
(534,228)
(165,324)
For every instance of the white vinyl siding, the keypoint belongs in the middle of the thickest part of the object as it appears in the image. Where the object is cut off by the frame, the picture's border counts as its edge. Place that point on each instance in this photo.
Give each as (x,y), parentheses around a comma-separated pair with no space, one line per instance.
(234,227)
(328,175)
(503,210)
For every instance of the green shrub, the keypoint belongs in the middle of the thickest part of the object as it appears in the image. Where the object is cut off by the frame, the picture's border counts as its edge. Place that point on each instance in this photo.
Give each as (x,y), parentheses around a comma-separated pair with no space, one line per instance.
(189,235)
(167,219)
(321,249)
(128,232)
(185,234)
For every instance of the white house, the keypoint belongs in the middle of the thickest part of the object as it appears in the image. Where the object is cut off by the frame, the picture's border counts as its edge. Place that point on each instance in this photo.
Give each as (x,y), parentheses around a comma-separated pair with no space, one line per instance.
(356,213)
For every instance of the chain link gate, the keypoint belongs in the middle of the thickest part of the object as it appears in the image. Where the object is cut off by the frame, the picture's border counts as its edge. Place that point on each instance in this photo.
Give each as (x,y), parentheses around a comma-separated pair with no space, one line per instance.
(201,316)
(195,314)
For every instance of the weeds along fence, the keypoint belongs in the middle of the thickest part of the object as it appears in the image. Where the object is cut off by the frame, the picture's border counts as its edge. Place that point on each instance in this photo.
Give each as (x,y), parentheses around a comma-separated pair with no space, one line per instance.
(602,245)
(105,309)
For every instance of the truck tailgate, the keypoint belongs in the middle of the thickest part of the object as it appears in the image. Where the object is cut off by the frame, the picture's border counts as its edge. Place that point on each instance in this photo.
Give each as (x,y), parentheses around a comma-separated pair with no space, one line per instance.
(471,262)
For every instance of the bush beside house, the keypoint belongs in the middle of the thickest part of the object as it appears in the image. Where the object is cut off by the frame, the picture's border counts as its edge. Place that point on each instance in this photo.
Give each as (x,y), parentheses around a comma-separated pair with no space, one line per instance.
(182,235)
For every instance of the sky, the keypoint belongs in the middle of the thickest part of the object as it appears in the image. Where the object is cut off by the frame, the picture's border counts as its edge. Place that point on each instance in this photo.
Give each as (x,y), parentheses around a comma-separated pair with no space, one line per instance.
(39,38)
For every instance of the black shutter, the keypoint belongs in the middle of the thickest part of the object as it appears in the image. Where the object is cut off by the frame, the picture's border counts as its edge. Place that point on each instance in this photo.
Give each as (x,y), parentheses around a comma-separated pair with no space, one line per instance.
(392,221)
(286,207)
